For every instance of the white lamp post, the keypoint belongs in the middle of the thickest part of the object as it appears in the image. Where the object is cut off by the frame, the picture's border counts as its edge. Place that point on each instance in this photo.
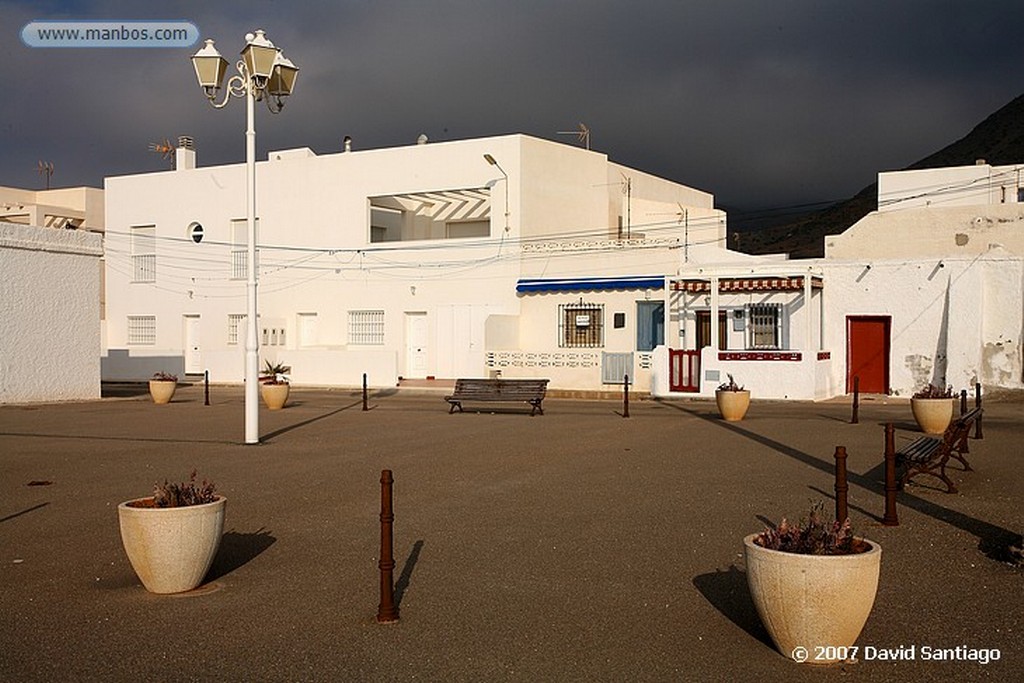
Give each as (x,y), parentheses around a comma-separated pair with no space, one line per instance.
(264,73)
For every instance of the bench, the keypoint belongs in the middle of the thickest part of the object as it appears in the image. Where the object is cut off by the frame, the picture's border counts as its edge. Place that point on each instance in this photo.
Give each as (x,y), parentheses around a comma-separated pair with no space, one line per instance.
(486,390)
(930,454)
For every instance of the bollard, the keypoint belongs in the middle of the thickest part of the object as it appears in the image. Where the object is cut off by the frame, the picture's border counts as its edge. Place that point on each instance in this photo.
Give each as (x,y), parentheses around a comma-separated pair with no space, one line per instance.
(890,518)
(963,401)
(206,387)
(977,404)
(387,611)
(625,396)
(842,488)
(856,401)
(364,392)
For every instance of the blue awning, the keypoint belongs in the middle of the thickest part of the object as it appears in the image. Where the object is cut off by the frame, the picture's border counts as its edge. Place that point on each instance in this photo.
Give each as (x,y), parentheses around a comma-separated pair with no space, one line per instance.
(590,283)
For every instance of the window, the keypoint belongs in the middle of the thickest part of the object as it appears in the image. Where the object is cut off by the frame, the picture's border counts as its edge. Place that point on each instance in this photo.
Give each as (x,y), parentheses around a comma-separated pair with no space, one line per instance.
(142,330)
(195,232)
(650,325)
(366,328)
(765,327)
(143,239)
(580,325)
(240,248)
(236,322)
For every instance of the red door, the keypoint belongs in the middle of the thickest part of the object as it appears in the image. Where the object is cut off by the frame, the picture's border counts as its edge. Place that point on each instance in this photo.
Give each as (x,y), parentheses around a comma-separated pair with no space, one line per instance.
(867,353)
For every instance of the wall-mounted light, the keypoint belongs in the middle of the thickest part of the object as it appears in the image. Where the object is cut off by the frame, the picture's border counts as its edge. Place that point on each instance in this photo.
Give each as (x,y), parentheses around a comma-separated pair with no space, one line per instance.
(493,162)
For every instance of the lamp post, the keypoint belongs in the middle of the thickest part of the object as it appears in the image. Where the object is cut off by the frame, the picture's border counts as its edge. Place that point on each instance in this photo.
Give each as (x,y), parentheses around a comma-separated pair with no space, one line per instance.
(264,73)
(493,162)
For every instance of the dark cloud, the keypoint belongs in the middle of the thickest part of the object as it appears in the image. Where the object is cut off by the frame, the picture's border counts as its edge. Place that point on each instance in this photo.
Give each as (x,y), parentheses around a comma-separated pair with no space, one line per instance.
(761,103)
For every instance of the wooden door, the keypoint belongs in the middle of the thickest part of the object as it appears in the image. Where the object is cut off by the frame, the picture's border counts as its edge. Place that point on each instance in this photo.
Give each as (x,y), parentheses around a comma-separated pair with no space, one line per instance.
(867,353)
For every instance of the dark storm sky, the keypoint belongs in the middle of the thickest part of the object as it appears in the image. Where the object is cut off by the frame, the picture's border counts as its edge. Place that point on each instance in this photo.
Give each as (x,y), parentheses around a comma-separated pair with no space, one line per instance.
(763,103)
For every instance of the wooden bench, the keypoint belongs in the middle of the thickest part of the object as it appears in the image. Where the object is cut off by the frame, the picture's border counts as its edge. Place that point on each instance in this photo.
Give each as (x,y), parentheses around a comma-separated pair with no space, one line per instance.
(930,454)
(531,391)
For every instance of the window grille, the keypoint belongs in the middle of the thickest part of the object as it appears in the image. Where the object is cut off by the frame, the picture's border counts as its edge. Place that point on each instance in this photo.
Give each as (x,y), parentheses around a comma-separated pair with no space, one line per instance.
(581,325)
(143,240)
(764,330)
(366,328)
(240,249)
(142,330)
(236,322)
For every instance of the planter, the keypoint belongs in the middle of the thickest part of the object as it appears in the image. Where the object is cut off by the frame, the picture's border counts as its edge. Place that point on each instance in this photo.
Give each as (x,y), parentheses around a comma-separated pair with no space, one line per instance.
(274,395)
(162,390)
(171,549)
(813,606)
(933,415)
(732,404)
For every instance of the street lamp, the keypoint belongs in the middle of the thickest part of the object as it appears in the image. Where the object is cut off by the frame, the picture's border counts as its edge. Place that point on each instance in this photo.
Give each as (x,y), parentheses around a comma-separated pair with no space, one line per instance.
(493,162)
(264,73)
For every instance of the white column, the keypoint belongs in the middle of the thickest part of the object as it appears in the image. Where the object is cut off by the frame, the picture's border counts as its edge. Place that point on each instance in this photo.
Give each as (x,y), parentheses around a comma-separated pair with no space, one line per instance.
(809,346)
(252,392)
(715,342)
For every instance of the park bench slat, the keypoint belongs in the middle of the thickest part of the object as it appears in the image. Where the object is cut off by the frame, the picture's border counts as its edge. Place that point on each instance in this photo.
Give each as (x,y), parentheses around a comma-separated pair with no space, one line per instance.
(531,391)
(930,454)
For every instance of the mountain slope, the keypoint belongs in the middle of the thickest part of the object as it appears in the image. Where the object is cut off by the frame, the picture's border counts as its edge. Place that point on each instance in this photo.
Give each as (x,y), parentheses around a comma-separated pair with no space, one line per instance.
(999,140)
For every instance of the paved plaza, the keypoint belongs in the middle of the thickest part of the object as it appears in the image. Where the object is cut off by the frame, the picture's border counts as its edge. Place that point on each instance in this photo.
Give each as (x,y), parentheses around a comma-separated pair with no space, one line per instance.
(574,546)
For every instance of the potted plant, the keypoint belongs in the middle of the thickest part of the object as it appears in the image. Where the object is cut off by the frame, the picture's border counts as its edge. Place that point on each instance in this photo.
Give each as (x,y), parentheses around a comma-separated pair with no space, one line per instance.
(162,386)
(733,400)
(813,584)
(172,536)
(933,408)
(274,385)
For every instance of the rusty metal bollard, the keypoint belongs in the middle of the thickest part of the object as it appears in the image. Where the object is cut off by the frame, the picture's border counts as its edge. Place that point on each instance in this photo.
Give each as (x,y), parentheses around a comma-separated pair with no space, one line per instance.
(206,387)
(856,401)
(977,404)
(963,401)
(387,611)
(364,392)
(625,396)
(842,488)
(890,518)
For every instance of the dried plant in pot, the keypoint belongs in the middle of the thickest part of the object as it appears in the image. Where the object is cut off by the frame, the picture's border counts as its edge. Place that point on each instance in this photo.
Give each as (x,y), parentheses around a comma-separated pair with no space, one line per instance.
(933,408)
(814,585)
(732,400)
(172,536)
(162,386)
(274,386)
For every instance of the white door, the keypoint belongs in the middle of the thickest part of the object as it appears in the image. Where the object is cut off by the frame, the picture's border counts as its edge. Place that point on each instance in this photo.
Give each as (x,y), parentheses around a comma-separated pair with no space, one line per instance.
(193,354)
(416,345)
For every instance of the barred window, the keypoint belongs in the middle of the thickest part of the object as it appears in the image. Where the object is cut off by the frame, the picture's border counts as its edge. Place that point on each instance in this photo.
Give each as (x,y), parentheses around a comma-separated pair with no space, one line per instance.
(143,240)
(240,248)
(366,328)
(764,330)
(142,330)
(236,322)
(580,325)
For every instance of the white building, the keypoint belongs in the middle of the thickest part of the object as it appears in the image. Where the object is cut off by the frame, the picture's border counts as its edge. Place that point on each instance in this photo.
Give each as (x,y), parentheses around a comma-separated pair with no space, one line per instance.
(50,303)
(410,262)
(521,257)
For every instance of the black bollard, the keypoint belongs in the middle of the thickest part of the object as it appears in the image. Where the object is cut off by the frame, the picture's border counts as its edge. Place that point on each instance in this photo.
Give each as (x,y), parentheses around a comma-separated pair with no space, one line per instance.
(977,404)
(963,401)
(625,396)
(387,611)
(856,401)
(890,518)
(842,488)
(206,387)
(364,392)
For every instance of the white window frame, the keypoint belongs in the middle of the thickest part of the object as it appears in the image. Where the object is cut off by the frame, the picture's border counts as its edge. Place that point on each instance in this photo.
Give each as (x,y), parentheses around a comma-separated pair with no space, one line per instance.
(141,330)
(143,246)
(764,326)
(236,322)
(366,327)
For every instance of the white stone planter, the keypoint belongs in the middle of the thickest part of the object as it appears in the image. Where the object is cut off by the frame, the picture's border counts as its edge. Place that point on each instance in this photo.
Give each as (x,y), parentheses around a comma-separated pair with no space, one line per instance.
(162,390)
(171,549)
(732,404)
(933,415)
(274,395)
(813,606)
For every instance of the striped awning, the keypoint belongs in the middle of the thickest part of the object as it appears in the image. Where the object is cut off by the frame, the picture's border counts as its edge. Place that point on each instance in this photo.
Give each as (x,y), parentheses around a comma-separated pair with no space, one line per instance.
(747,284)
(590,283)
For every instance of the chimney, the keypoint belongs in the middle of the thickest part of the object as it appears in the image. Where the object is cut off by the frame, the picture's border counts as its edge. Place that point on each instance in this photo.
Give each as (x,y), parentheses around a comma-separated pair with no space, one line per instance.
(979,162)
(185,153)
(422,139)
(348,143)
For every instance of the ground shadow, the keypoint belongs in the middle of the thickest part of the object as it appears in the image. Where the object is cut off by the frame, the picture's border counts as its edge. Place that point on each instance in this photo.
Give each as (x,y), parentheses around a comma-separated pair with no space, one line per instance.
(994,541)
(405,577)
(305,423)
(23,512)
(727,592)
(237,549)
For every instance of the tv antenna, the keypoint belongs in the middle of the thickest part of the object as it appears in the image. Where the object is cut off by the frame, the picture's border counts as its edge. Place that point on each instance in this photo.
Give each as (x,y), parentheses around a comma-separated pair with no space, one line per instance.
(582,134)
(165,149)
(45,168)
